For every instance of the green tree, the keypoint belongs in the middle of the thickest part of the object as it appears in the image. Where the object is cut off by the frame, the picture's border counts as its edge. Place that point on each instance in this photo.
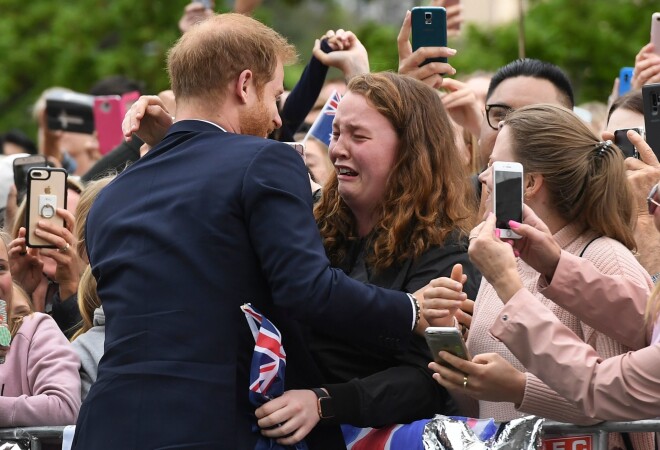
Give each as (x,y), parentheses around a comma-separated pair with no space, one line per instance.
(589,39)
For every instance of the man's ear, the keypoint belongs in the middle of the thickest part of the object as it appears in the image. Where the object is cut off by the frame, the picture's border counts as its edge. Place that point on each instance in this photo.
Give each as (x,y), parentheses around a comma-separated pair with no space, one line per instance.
(244,84)
(533,183)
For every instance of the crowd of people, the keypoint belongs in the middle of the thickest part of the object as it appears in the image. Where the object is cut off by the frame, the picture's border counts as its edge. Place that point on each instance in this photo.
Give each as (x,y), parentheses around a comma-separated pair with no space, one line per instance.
(131,325)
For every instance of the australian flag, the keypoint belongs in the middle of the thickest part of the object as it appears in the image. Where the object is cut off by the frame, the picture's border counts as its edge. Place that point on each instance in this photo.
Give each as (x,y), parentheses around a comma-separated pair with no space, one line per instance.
(266,370)
(321,129)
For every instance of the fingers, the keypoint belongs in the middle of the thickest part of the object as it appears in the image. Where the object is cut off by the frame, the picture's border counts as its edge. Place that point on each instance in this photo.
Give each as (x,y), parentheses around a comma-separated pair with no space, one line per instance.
(134,115)
(646,153)
(403,39)
(457,273)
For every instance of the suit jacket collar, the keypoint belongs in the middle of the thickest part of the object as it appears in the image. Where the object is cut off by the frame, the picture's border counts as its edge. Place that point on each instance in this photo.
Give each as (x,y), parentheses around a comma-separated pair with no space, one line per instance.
(193,125)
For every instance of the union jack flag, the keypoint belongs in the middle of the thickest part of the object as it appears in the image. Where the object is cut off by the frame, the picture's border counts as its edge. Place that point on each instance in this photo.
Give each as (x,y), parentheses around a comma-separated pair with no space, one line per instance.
(321,129)
(266,370)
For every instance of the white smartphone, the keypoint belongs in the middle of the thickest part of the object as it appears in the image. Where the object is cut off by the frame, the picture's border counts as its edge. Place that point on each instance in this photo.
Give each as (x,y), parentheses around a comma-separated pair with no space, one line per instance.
(448,339)
(655,32)
(507,196)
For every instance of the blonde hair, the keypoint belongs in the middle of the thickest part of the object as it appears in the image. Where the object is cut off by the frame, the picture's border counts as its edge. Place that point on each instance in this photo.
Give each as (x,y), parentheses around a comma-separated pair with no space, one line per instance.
(585,178)
(88,301)
(85,203)
(213,53)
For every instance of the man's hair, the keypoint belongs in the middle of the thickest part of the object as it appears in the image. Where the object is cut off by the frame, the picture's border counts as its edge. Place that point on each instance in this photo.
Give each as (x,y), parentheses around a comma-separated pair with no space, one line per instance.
(585,178)
(214,52)
(428,193)
(535,68)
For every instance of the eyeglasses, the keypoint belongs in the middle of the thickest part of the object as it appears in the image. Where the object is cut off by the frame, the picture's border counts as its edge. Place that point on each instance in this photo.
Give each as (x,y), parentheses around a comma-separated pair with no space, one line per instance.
(495,114)
(651,201)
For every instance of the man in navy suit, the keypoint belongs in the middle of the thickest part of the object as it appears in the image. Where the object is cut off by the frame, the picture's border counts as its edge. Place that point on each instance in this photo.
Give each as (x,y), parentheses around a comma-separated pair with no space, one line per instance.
(211,218)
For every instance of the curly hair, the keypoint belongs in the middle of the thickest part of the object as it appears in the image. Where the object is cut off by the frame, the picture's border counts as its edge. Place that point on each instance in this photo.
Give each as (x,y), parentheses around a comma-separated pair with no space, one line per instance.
(428,193)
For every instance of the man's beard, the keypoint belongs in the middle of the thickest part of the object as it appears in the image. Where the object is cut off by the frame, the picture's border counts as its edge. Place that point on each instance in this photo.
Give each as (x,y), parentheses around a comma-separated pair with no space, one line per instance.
(255,121)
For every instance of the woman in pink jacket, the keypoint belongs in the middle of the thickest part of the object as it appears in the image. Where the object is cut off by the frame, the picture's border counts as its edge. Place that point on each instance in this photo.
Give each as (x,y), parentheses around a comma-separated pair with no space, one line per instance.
(39,381)
(577,184)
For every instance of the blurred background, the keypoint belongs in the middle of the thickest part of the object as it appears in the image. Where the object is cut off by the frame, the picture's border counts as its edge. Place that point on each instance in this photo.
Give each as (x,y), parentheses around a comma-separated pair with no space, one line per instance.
(44,43)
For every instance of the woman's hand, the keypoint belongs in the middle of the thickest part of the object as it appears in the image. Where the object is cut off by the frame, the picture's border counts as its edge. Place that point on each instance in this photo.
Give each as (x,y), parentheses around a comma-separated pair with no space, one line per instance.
(294,414)
(24,263)
(148,118)
(494,258)
(69,265)
(443,297)
(410,62)
(348,55)
(538,247)
(487,377)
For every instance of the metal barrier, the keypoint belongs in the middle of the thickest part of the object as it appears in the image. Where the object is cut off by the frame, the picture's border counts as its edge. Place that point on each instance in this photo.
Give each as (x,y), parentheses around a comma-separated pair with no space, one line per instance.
(36,436)
(600,431)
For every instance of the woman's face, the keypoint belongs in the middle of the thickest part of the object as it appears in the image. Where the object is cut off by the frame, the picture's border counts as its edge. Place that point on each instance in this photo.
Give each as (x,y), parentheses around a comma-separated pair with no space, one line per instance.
(624,118)
(6,287)
(502,151)
(363,150)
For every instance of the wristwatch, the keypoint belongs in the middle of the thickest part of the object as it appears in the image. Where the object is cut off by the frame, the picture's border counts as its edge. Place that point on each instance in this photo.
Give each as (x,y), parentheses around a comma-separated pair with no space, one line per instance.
(324,402)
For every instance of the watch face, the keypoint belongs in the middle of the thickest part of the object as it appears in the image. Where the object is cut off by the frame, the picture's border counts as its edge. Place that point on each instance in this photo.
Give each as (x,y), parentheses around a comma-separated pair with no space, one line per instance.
(326,410)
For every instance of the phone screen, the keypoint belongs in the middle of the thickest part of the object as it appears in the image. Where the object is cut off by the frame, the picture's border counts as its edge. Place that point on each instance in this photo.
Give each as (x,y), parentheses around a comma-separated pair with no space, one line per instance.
(508,197)
(447,339)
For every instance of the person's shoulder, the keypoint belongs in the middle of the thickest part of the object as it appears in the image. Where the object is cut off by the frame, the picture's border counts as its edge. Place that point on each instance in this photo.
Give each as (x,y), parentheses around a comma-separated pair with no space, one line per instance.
(37,323)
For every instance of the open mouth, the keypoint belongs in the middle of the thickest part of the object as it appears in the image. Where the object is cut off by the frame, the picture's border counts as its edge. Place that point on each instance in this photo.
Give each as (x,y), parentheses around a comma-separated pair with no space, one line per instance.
(346,172)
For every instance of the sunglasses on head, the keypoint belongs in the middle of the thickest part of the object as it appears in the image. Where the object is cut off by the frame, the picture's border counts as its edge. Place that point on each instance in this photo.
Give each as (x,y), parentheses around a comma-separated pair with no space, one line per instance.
(651,201)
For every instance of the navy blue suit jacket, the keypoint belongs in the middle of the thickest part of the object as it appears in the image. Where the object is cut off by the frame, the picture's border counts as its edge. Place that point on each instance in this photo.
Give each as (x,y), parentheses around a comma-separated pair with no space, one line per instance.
(205,222)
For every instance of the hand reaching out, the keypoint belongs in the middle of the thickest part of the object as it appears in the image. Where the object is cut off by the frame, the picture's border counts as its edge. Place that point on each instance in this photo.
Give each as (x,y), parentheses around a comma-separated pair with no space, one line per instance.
(348,55)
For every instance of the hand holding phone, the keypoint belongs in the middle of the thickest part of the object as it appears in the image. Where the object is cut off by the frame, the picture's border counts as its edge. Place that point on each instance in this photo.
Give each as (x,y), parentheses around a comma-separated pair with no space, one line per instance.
(46,193)
(429,29)
(651,99)
(447,339)
(507,196)
(621,140)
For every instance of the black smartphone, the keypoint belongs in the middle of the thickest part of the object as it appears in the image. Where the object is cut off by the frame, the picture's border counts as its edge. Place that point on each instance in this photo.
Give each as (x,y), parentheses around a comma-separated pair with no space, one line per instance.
(46,193)
(429,29)
(507,196)
(70,111)
(621,140)
(21,167)
(448,339)
(651,97)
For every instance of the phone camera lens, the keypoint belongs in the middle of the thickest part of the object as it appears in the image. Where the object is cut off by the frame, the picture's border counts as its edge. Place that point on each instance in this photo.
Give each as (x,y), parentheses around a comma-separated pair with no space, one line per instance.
(428,18)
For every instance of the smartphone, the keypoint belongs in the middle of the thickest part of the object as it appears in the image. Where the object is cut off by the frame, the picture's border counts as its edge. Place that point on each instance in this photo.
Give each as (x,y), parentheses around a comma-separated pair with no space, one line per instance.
(448,339)
(299,147)
(655,31)
(651,98)
(109,112)
(5,335)
(207,3)
(70,111)
(46,191)
(621,140)
(429,29)
(625,80)
(21,167)
(507,196)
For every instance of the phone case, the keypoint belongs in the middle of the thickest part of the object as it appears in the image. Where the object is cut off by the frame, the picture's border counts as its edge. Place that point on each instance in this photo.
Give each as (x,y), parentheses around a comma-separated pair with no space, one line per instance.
(514,167)
(448,339)
(651,97)
(625,80)
(655,31)
(45,193)
(429,29)
(108,115)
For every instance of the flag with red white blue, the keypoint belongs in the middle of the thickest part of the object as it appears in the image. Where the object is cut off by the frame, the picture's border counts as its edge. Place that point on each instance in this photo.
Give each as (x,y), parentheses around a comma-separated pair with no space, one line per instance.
(266,370)
(321,129)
